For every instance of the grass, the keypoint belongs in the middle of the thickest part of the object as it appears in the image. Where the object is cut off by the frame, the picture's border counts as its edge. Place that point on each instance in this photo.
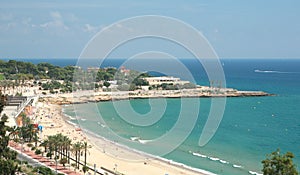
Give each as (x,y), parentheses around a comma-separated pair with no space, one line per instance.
(1,77)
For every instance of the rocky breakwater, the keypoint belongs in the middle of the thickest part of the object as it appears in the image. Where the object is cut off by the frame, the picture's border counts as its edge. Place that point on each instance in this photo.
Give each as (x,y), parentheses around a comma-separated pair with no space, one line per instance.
(63,99)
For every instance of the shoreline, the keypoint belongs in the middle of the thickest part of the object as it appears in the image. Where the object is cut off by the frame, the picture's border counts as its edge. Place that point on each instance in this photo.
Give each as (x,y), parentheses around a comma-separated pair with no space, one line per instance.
(145,155)
(57,122)
(147,158)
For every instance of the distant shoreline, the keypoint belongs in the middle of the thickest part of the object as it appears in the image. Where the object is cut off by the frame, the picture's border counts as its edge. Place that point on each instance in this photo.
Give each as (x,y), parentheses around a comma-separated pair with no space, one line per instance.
(80,97)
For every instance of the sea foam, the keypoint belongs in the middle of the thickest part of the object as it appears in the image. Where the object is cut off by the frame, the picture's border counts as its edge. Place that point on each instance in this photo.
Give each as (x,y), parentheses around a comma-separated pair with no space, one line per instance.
(134,138)
(223,161)
(143,141)
(254,173)
(199,155)
(237,166)
(214,158)
(70,117)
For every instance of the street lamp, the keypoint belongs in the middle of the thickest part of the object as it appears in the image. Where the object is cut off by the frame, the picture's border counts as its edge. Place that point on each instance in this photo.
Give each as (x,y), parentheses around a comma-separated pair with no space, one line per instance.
(95,169)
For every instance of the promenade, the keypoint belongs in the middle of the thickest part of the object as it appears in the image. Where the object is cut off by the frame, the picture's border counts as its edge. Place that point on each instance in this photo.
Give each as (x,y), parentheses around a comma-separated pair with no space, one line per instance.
(42,160)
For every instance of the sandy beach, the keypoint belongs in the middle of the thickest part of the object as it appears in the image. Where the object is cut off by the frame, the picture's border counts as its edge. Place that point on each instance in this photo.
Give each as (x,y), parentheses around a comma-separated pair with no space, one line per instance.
(50,116)
(102,152)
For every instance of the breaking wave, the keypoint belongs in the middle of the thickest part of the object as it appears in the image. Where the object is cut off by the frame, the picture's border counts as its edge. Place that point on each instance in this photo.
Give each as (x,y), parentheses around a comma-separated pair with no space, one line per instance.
(216,159)
(210,158)
(254,173)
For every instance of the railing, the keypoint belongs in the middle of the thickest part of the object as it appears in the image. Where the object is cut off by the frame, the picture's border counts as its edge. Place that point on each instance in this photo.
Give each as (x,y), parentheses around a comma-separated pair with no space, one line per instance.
(92,168)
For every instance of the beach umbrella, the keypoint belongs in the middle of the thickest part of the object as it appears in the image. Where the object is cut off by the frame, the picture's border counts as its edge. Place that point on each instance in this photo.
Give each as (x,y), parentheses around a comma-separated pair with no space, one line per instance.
(40,128)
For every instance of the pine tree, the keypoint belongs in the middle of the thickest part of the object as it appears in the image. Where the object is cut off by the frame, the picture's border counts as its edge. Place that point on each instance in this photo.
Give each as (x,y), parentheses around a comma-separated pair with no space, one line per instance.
(277,164)
(8,164)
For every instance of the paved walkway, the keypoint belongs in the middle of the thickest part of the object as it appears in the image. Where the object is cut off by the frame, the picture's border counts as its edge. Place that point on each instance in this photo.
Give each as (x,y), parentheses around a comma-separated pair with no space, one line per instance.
(49,163)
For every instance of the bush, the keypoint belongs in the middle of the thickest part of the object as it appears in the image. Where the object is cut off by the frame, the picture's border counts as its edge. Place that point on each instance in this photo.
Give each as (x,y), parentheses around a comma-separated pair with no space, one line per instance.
(43,170)
(29,144)
(37,151)
(33,148)
(48,155)
(85,169)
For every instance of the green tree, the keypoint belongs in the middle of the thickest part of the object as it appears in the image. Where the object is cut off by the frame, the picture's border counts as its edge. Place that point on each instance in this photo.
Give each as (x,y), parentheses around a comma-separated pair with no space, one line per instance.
(76,149)
(45,144)
(106,74)
(106,84)
(8,163)
(85,146)
(49,145)
(277,164)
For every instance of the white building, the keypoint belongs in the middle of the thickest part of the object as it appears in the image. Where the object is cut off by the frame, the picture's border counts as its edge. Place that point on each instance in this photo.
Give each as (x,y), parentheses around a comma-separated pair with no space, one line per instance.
(164,79)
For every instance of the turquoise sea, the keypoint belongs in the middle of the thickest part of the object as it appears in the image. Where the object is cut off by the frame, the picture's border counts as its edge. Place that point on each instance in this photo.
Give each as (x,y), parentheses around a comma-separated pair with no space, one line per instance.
(251,127)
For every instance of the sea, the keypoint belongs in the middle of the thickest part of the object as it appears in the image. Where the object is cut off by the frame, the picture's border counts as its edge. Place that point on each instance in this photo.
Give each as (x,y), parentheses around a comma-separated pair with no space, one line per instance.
(251,127)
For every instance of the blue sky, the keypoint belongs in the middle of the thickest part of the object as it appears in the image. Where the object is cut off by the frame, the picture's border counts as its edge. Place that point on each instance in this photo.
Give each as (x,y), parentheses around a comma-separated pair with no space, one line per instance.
(235,28)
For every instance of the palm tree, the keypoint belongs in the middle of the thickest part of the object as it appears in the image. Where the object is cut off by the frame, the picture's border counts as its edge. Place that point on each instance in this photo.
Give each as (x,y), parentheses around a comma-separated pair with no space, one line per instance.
(54,146)
(30,131)
(64,146)
(76,149)
(45,144)
(85,151)
(56,142)
(61,145)
(51,145)
(66,143)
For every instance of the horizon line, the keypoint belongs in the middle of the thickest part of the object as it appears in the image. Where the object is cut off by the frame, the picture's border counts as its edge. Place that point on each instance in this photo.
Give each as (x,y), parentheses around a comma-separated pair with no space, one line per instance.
(15,58)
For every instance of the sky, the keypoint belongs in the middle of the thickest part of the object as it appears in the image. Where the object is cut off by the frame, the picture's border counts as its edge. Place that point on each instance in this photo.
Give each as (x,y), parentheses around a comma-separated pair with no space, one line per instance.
(234,28)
